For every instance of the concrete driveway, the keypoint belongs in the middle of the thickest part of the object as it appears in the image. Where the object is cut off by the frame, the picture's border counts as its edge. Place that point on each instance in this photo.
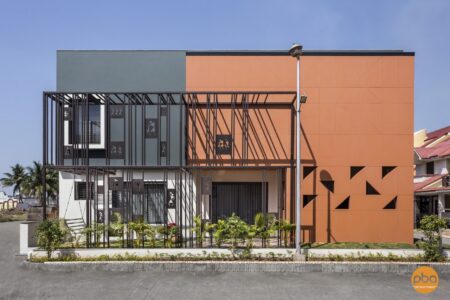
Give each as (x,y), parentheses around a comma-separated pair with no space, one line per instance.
(18,283)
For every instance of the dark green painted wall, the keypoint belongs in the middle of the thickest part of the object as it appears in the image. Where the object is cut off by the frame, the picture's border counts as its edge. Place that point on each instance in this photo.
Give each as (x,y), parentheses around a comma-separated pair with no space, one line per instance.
(130,71)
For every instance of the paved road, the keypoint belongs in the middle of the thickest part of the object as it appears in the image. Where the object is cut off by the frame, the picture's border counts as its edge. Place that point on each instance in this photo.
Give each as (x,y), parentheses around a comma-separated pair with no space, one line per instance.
(17,283)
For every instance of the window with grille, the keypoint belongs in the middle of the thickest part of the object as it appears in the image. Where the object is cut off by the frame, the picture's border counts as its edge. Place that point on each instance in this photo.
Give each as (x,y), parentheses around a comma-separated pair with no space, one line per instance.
(81,191)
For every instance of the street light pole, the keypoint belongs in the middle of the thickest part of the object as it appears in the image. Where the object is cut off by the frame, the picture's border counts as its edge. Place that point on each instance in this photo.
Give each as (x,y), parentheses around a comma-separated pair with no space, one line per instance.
(296,51)
(298,240)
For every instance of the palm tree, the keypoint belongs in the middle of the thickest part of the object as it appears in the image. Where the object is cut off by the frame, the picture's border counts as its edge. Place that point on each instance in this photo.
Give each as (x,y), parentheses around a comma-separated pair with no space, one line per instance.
(15,179)
(32,186)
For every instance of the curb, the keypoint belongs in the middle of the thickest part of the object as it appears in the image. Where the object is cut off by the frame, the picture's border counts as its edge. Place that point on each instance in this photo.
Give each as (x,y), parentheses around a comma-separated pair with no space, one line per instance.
(213,266)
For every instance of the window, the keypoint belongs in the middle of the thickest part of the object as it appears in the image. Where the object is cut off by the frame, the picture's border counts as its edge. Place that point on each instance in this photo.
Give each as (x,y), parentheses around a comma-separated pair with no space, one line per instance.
(116,198)
(447,203)
(91,131)
(81,191)
(150,206)
(430,168)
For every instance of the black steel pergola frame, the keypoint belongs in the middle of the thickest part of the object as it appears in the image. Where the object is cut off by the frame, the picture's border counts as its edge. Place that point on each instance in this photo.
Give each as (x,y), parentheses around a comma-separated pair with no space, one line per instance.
(54,104)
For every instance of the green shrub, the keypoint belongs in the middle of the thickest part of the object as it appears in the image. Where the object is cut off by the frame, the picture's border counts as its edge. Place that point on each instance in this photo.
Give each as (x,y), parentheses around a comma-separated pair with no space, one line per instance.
(265,226)
(116,227)
(142,231)
(49,236)
(286,229)
(431,226)
(235,230)
(97,230)
(199,230)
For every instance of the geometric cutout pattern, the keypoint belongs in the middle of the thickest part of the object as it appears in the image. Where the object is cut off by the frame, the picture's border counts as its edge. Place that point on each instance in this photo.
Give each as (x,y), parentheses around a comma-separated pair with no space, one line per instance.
(151,128)
(386,170)
(329,184)
(117,111)
(138,186)
(171,198)
(163,149)
(68,151)
(116,184)
(355,170)
(308,170)
(117,150)
(392,204)
(370,190)
(344,204)
(68,113)
(224,144)
(308,198)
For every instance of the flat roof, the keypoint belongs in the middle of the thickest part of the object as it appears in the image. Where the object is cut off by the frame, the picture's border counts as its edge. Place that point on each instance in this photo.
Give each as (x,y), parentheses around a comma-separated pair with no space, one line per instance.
(273,52)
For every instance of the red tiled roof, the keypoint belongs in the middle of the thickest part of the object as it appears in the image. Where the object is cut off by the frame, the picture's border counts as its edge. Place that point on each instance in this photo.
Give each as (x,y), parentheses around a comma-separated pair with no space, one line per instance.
(420,185)
(435,189)
(437,133)
(441,149)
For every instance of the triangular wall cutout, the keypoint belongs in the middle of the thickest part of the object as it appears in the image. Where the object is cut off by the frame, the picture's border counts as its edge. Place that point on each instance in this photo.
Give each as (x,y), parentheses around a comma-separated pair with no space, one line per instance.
(355,170)
(392,204)
(386,170)
(344,204)
(329,184)
(370,190)
(308,170)
(308,198)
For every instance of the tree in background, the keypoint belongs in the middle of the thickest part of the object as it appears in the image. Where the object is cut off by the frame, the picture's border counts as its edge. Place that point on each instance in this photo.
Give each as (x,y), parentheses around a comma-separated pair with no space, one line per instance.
(32,185)
(15,179)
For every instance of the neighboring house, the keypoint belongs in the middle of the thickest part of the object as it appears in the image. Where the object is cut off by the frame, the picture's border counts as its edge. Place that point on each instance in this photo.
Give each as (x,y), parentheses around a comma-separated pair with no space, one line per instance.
(432,179)
(3,197)
(165,136)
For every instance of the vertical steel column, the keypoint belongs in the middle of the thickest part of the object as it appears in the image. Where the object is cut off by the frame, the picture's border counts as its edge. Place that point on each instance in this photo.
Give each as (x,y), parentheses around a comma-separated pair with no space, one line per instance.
(44,158)
(298,240)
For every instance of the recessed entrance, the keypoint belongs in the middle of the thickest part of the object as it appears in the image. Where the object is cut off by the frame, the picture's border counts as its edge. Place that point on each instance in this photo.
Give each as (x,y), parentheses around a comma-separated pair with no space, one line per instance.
(245,199)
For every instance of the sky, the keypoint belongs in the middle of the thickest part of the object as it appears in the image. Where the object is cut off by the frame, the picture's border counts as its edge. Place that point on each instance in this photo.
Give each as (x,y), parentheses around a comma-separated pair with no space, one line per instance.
(31,32)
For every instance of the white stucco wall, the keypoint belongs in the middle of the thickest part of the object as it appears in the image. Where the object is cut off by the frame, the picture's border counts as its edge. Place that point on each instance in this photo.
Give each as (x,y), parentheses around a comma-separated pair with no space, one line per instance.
(421,169)
(269,176)
(71,208)
(440,166)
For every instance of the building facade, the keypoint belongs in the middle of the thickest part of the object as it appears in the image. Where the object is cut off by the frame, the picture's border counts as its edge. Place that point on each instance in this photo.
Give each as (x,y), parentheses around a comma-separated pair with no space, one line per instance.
(170,135)
(432,179)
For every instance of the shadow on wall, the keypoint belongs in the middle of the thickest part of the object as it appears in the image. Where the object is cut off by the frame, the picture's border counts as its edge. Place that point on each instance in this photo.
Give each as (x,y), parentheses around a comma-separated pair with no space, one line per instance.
(309,231)
(325,176)
(257,133)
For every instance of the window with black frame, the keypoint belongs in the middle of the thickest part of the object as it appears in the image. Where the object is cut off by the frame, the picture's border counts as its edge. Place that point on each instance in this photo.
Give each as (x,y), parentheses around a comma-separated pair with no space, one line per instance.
(150,205)
(81,191)
(92,125)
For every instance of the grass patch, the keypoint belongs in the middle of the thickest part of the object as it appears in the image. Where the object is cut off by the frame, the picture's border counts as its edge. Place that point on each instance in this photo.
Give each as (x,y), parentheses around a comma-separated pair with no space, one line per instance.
(12,215)
(369,258)
(354,245)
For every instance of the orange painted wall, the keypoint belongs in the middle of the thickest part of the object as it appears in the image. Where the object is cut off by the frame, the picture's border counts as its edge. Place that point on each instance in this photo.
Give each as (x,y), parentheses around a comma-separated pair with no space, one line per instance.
(359,113)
